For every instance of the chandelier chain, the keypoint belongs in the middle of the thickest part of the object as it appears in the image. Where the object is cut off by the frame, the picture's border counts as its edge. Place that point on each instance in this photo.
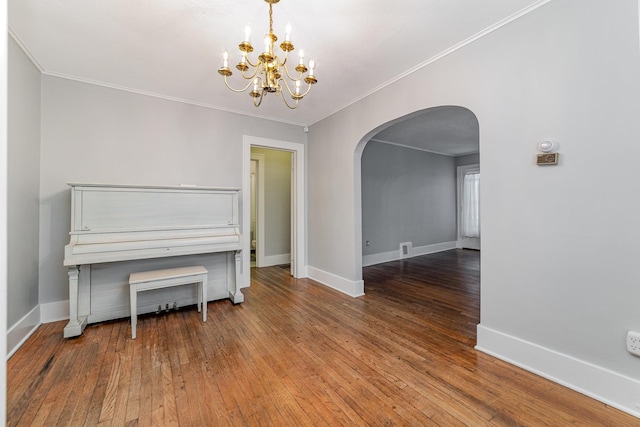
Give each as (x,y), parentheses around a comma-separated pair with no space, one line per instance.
(270,18)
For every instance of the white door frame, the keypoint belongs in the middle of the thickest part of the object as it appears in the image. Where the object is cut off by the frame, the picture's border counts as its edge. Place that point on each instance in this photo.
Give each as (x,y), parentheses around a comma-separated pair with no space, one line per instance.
(259,158)
(298,260)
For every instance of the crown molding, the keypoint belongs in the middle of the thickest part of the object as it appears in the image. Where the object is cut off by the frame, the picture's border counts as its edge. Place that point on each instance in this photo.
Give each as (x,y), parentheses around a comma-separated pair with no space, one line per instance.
(45,72)
(166,97)
(25,49)
(421,149)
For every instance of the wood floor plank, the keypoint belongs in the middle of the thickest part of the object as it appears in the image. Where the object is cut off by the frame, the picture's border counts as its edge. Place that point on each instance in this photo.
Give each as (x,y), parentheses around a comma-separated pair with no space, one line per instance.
(97,400)
(109,402)
(147,344)
(297,353)
(135,379)
(53,404)
(90,380)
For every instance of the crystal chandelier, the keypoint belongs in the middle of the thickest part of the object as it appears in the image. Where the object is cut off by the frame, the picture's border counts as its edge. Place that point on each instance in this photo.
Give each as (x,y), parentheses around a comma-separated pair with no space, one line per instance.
(266,75)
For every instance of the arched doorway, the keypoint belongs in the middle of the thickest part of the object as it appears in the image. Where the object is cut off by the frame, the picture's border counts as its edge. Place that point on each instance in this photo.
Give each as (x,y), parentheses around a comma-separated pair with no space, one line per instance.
(407,172)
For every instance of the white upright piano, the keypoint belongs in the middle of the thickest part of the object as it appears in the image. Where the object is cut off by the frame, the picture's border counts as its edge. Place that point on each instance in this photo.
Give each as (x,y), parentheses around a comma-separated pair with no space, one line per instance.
(120,223)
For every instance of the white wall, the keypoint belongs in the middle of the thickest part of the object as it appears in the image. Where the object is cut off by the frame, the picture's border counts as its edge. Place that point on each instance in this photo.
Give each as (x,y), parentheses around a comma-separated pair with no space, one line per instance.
(559,283)
(407,196)
(23,192)
(96,134)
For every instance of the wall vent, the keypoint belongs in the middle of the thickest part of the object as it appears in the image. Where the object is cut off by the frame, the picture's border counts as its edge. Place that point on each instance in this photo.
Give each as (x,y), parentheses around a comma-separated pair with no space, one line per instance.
(406,250)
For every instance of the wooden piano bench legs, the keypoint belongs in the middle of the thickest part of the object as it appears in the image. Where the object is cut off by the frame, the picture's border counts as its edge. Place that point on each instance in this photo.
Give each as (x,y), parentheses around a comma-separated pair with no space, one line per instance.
(157,279)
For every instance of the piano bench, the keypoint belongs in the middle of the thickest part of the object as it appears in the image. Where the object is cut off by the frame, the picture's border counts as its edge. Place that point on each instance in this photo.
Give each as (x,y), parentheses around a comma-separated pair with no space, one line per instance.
(157,279)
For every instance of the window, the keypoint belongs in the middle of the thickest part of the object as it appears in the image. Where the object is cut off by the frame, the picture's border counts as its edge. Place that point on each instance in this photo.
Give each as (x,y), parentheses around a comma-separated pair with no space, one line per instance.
(471,206)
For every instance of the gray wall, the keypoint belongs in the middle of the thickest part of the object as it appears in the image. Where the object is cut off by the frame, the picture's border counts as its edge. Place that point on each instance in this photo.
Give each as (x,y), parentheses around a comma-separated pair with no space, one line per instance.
(96,134)
(559,243)
(277,200)
(469,159)
(407,196)
(23,183)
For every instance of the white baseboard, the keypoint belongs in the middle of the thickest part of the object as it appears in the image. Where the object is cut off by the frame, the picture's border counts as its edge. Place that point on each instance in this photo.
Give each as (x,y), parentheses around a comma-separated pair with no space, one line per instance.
(269,260)
(54,311)
(22,330)
(346,286)
(379,258)
(435,248)
(25,327)
(302,272)
(601,384)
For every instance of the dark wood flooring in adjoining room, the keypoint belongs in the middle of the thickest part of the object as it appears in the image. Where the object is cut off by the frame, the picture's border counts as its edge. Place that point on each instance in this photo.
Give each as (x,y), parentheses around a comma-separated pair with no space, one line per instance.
(297,353)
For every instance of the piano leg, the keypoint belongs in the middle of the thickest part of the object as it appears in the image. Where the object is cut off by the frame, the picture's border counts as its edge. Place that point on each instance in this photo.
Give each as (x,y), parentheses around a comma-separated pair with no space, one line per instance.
(76,324)
(234,283)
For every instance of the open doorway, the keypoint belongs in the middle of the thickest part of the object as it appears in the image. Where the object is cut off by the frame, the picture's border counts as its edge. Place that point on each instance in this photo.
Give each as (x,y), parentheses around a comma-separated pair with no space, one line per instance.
(270,207)
(409,190)
(298,266)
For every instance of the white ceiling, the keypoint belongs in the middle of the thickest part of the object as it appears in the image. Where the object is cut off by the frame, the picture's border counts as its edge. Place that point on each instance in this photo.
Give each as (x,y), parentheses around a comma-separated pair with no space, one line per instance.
(172,48)
(448,130)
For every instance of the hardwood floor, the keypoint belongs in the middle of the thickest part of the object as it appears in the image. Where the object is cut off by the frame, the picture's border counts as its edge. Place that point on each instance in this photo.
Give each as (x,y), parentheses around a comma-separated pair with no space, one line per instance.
(297,353)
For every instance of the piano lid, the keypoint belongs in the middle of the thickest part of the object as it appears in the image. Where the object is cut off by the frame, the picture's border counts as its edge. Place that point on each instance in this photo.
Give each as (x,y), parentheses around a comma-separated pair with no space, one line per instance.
(153,187)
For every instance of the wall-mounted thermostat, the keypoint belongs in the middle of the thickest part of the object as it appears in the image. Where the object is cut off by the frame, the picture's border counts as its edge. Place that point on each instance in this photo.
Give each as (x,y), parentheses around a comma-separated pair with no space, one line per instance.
(547,159)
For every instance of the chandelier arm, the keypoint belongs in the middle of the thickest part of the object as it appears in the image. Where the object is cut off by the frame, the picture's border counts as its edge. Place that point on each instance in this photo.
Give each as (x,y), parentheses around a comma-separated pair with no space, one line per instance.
(308,89)
(251,63)
(255,73)
(286,71)
(301,95)
(284,83)
(237,90)
(284,98)
(259,101)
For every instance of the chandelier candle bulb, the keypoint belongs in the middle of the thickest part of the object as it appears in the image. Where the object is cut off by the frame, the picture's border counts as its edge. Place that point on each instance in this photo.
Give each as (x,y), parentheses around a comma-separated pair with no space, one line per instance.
(225,59)
(301,55)
(247,33)
(312,65)
(287,33)
(242,66)
(267,44)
